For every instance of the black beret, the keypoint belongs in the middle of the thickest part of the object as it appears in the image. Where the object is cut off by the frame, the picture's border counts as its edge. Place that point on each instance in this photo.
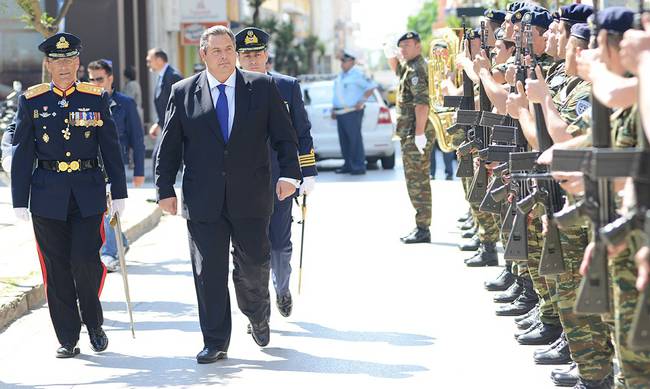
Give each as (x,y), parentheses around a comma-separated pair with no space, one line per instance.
(251,39)
(581,31)
(495,15)
(539,19)
(409,35)
(616,19)
(575,13)
(61,45)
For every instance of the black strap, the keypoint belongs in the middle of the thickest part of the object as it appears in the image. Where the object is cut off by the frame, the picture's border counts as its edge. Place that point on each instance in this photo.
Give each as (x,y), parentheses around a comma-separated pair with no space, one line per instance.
(84,164)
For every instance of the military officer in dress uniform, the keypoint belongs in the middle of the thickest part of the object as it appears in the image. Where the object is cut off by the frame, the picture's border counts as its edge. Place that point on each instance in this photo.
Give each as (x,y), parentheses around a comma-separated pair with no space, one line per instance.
(62,129)
(252,46)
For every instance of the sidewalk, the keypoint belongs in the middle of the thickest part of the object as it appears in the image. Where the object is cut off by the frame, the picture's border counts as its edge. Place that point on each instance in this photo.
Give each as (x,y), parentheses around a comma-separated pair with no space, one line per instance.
(21,283)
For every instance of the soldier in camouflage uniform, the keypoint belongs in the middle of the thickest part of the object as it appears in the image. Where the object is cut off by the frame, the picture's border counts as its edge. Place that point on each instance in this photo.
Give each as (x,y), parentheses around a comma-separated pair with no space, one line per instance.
(415,131)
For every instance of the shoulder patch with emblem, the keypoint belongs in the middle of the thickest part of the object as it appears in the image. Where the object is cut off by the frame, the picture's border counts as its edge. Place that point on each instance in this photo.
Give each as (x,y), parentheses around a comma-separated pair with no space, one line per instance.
(36,90)
(414,80)
(89,88)
(582,106)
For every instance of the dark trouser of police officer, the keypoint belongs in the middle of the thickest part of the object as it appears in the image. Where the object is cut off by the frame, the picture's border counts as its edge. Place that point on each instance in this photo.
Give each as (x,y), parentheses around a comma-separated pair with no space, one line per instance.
(73,272)
(351,140)
(447,158)
(281,250)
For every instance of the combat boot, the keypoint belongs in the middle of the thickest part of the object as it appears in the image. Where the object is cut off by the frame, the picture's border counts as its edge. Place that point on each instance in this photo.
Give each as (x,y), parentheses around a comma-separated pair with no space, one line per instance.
(463,218)
(529,321)
(502,282)
(524,303)
(557,355)
(485,256)
(565,377)
(543,334)
(468,224)
(511,293)
(605,383)
(535,321)
(469,233)
(418,235)
(550,347)
(471,245)
(532,312)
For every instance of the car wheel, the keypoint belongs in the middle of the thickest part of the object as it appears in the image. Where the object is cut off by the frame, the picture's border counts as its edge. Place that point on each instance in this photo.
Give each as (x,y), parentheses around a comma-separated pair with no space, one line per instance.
(388,162)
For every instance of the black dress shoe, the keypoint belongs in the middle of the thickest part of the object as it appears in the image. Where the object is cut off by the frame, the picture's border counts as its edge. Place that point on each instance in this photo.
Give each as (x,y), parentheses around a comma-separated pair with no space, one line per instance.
(261,333)
(485,256)
(550,346)
(510,294)
(558,355)
(565,377)
(543,334)
(98,339)
(469,233)
(210,355)
(605,383)
(502,282)
(67,350)
(471,245)
(534,311)
(418,235)
(284,304)
(342,171)
(527,330)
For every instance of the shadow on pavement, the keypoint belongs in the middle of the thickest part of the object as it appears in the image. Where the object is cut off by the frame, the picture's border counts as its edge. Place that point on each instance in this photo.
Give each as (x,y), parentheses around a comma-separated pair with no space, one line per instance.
(392,338)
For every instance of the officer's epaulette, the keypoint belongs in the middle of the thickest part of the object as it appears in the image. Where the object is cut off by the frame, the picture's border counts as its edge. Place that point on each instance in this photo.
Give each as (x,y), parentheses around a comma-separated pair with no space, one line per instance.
(86,87)
(36,90)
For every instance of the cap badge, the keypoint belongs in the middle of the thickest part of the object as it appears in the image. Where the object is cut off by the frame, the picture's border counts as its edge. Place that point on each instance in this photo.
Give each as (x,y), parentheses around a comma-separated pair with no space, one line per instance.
(251,38)
(62,43)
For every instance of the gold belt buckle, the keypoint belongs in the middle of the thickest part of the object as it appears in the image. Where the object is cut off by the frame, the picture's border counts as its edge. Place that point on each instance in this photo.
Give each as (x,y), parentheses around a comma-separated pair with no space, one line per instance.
(69,167)
(63,166)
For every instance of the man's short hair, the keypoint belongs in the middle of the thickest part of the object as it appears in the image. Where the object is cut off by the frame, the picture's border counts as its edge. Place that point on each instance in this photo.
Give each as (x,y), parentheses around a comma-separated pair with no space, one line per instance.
(160,53)
(215,30)
(101,64)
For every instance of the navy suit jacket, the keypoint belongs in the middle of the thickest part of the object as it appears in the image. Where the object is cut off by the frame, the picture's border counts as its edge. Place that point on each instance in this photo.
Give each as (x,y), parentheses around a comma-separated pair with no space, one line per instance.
(170,77)
(291,93)
(236,175)
(129,130)
(39,125)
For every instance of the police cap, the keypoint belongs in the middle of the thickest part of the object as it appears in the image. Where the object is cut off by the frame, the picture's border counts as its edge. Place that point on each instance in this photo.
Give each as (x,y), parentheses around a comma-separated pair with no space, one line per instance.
(61,45)
(251,39)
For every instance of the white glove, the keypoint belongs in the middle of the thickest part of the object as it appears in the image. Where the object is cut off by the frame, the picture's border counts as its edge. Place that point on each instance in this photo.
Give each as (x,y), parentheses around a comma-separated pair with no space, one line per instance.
(6,164)
(22,214)
(118,207)
(421,142)
(390,51)
(308,185)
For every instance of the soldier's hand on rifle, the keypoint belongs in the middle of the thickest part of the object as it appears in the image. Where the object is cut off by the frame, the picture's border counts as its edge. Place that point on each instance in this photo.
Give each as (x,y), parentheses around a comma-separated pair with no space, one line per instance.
(517,101)
(537,90)
(572,183)
(22,214)
(586,259)
(168,205)
(481,61)
(546,157)
(511,74)
(617,249)
(636,43)
(642,259)
(117,208)
(544,219)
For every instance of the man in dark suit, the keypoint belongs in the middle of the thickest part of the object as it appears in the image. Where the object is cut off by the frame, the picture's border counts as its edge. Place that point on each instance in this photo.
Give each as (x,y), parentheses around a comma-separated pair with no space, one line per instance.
(61,128)
(219,123)
(253,56)
(157,62)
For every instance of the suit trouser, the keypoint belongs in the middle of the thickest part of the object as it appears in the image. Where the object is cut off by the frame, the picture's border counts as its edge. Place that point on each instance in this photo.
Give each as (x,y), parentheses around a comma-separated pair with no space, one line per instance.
(209,244)
(281,247)
(72,270)
(351,140)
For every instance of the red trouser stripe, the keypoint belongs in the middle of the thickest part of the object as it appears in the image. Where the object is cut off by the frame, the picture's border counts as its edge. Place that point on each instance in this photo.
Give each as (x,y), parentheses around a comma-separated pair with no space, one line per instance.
(43,268)
(102,233)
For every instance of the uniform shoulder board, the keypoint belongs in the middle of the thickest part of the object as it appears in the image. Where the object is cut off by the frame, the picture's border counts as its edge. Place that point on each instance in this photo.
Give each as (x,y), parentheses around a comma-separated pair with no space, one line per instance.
(86,87)
(36,90)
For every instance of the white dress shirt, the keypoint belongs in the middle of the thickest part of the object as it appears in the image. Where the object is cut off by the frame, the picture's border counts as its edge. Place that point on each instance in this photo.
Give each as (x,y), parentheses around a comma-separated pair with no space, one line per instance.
(230,83)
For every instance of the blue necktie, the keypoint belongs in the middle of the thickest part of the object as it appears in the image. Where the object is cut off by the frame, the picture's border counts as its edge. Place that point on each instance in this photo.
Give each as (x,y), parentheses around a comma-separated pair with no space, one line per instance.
(222,111)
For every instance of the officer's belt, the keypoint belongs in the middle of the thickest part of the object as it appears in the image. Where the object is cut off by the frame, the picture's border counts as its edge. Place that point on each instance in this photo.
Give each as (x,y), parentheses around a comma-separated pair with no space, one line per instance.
(343,111)
(68,166)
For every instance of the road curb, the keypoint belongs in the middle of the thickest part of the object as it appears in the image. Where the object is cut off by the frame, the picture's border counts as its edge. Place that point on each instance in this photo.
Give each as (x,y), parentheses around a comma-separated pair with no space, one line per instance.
(33,296)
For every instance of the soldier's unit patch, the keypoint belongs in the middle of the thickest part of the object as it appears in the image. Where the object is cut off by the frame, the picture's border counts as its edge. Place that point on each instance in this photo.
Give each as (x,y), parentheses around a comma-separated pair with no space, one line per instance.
(582,106)
(415,80)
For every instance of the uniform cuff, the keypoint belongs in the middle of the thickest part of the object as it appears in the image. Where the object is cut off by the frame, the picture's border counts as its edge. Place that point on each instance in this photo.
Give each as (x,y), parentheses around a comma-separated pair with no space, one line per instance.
(292,181)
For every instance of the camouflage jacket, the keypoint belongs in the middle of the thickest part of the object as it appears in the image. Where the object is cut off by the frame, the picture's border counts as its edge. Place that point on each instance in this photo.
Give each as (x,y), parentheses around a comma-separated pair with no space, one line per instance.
(576,103)
(413,89)
(556,77)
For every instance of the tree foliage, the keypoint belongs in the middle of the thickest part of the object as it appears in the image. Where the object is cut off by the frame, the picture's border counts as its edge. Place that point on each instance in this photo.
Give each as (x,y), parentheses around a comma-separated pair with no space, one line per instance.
(423,21)
(255,5)
(34,17)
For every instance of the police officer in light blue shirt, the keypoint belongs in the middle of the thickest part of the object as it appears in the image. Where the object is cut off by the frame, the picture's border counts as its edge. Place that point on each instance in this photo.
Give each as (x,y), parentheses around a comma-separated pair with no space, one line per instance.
(351,90)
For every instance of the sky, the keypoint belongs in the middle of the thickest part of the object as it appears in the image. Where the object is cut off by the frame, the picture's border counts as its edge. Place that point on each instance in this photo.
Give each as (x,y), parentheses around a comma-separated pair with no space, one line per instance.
(380,20)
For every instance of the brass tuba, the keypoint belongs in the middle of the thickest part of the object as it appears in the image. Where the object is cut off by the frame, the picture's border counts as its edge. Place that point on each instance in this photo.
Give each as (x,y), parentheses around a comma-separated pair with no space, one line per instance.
(444,48)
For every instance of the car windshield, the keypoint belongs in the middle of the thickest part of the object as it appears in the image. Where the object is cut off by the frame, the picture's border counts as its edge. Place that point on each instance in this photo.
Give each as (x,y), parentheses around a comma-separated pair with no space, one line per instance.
(322,94)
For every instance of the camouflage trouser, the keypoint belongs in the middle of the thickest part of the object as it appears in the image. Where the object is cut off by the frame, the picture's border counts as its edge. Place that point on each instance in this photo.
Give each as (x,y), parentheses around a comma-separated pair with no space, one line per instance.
(547,309)
(635,366)
(588,336)
(416,172)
